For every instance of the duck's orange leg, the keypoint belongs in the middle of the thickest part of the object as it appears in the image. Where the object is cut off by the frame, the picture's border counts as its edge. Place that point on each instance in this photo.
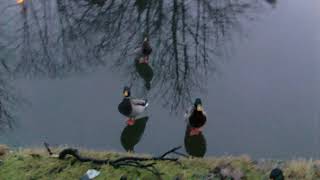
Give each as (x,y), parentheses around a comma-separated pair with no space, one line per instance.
(195,131)
(146,59)
(130,122)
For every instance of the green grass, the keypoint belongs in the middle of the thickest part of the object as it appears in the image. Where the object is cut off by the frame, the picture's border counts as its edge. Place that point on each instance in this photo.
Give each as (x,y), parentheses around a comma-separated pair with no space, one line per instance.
(31,164)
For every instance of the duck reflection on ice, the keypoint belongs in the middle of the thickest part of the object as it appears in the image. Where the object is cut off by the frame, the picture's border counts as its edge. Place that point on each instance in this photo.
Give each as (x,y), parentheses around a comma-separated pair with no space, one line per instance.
(131,135)
(141,62)
(195,145)
(185,40)
(144,70)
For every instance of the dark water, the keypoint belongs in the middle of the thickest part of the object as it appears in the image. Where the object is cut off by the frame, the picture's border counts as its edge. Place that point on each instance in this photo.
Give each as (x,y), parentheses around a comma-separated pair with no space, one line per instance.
(254,63)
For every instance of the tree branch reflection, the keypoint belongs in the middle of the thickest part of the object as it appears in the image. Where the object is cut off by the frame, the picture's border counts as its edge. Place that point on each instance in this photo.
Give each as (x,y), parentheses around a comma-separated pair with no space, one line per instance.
(62,37)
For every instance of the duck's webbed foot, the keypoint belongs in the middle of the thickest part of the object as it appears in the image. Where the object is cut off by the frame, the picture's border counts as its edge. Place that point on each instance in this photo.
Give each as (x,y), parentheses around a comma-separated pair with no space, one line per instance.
(145,60)
(130,122)
(195,131)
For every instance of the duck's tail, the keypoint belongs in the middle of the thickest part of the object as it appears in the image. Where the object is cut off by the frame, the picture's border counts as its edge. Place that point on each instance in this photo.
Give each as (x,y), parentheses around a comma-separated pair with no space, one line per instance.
(146,103)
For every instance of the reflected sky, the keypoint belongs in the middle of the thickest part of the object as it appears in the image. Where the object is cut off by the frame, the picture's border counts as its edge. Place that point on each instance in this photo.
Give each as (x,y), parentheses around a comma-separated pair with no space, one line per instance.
(253,64)
(55,39)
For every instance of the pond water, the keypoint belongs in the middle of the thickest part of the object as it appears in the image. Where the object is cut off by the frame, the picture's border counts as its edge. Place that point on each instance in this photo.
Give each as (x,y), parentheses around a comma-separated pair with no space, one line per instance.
(254,64)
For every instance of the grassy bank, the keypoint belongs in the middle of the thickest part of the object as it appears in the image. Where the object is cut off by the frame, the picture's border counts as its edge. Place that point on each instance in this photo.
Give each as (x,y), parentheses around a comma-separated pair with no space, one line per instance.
(37,164)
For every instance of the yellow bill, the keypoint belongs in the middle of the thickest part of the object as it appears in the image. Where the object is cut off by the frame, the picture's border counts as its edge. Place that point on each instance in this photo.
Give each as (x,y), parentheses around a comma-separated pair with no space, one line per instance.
(125,93)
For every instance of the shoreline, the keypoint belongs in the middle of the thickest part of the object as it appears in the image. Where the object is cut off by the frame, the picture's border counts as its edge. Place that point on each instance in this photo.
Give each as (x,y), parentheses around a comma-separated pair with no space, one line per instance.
(36,163)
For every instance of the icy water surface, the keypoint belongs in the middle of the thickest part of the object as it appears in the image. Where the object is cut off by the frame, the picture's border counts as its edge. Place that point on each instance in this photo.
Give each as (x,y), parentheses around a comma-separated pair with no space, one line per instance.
(254,64)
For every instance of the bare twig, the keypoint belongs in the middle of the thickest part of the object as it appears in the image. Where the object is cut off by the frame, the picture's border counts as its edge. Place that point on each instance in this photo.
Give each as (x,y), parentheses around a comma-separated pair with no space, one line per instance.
(48,149)
(171,151)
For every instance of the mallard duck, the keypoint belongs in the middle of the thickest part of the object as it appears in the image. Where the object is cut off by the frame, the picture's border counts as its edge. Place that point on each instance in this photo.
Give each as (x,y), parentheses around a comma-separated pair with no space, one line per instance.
(146,50)
(131,107)
(145,71)
(131,135)
(196,117)
(195,145)
(276,174)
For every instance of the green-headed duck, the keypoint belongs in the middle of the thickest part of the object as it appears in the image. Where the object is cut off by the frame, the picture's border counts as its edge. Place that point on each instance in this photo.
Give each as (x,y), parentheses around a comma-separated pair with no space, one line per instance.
(131,107)
(196,117)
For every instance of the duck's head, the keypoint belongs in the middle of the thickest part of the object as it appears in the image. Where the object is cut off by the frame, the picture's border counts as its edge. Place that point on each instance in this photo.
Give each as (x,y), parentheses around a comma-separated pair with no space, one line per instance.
(145,43)
(276,174)
(198,105)
(126,91)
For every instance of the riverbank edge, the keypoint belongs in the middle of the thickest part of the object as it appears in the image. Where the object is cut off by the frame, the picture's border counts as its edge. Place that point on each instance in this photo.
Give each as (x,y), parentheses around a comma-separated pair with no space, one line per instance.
(36,163)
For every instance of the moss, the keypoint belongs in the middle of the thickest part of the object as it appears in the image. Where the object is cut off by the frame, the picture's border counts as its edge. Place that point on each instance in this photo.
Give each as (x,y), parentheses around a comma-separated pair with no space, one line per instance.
(36,164)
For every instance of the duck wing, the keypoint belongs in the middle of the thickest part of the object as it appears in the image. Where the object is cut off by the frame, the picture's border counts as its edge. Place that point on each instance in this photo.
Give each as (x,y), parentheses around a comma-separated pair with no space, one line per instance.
(139,102)
(188,112)
(138,107)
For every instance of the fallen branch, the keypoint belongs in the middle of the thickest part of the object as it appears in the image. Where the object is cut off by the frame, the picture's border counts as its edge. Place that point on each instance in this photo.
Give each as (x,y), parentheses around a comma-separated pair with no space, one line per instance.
(75,153)
(120,162)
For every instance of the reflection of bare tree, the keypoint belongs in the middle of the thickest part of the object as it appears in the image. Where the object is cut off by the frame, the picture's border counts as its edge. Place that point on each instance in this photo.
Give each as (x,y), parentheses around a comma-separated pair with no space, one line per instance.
(8,100)
(195,145)
(65,36)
